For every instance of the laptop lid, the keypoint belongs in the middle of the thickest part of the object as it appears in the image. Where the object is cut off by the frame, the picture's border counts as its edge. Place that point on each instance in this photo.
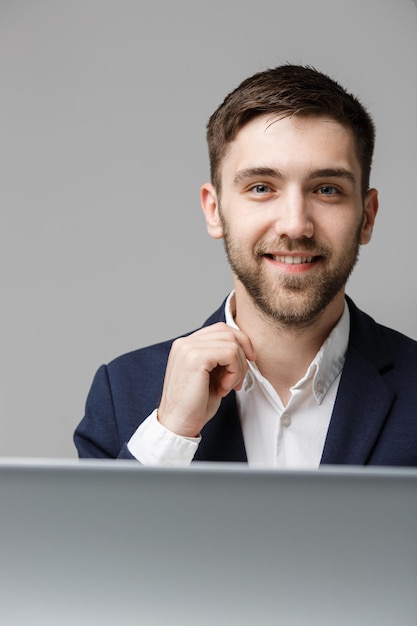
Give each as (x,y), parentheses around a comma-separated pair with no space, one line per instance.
(112,542)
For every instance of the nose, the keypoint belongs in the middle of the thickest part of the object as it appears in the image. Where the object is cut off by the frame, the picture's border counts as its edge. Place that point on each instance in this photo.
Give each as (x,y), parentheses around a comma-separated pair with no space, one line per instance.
(294,219)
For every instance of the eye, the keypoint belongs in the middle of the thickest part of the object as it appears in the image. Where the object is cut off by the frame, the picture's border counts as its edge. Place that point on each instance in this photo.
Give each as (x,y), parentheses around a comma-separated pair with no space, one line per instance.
(327,190)
(261,189)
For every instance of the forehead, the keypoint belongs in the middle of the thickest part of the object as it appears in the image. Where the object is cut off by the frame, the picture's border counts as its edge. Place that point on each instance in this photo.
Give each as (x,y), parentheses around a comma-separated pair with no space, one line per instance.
(289,143)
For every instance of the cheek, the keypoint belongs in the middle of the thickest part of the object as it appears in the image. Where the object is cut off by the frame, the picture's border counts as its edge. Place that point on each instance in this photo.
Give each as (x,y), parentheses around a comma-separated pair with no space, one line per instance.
(340,228)
(242,228)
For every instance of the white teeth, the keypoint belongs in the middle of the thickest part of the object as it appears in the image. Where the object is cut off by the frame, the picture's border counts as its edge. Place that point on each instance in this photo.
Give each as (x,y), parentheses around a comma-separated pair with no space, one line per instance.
(293,260)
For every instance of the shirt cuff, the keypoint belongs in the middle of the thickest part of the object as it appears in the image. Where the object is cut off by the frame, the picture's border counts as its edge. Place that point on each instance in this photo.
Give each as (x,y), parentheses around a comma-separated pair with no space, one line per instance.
(153,444)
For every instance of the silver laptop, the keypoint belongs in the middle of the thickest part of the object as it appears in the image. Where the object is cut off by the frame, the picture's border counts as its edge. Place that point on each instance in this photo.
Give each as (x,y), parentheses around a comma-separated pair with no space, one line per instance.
(109,542)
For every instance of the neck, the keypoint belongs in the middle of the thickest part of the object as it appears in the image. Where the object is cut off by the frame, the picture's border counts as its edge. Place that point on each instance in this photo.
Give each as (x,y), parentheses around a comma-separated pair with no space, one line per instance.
(284,352)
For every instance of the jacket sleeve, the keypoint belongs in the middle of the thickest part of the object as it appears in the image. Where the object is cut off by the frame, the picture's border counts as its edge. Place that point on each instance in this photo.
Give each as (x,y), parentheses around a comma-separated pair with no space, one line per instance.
(97,435)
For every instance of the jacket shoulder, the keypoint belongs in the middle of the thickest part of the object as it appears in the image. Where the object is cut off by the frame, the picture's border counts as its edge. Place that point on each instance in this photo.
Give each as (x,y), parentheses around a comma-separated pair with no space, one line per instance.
(379,343)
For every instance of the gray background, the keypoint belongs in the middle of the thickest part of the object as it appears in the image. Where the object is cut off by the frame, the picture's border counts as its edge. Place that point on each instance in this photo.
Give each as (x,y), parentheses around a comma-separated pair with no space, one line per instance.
(102,154)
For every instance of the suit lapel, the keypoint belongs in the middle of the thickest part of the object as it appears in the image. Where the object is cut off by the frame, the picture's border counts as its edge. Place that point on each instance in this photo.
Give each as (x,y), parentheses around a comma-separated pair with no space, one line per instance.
(363,400)
(362,404)
(222,438)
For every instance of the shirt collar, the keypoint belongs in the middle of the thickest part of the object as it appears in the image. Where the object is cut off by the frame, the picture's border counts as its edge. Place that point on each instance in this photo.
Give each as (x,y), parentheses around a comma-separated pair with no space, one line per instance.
(326,365)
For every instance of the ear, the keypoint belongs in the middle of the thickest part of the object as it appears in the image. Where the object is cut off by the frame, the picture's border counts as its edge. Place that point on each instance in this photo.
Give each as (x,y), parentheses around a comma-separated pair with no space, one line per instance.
(370,211)
(210,206)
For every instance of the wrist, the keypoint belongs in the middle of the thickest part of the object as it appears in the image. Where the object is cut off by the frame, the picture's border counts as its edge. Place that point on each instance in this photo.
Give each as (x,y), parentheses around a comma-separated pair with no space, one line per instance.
(181,428)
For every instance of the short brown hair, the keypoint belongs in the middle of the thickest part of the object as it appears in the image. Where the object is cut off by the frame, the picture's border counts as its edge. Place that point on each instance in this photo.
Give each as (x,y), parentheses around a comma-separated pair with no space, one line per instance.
(289,90)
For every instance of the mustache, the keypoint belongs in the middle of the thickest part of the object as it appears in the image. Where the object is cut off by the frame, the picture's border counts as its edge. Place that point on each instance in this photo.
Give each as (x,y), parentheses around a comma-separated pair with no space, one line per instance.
(285,244)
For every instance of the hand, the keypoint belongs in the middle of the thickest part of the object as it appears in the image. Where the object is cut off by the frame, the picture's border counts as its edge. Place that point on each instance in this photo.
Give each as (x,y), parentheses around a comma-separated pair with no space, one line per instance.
(202,368)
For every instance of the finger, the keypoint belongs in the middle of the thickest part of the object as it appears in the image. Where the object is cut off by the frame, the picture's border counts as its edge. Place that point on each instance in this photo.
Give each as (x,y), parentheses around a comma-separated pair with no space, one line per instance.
(230,372)
(222,331)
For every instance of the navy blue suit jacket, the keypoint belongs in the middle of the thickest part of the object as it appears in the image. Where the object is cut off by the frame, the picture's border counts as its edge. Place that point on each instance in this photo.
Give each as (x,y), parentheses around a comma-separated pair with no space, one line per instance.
(374,419)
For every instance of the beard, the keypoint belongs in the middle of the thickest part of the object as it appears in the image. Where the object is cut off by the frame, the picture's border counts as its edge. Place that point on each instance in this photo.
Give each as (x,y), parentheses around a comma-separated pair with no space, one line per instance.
(293,300)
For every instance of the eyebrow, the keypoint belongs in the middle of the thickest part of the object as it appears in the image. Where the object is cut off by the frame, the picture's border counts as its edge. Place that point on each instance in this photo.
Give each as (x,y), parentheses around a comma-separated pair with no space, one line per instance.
(333,172)
(271,172)
(253,172)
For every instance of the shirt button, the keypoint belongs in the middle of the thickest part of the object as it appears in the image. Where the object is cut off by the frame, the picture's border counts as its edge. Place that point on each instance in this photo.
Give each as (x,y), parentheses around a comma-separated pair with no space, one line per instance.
(286,419)
(320,387)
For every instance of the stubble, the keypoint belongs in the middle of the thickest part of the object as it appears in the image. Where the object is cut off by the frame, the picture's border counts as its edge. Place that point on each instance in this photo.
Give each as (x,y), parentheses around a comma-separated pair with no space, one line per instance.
(292,300)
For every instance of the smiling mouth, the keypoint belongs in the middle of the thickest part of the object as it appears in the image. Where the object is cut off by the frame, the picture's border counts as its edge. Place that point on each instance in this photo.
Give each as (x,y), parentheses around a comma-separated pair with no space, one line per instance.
(292,260)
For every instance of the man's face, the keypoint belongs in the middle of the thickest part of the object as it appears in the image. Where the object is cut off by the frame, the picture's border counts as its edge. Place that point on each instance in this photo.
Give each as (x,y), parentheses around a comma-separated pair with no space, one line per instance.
(291,214)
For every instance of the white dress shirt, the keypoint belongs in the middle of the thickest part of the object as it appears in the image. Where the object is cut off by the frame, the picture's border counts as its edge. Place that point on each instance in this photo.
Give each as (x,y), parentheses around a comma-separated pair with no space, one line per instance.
(275,435)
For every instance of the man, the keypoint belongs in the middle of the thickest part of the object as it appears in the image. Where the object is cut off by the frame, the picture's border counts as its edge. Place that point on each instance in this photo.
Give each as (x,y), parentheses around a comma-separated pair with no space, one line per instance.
(288,372)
